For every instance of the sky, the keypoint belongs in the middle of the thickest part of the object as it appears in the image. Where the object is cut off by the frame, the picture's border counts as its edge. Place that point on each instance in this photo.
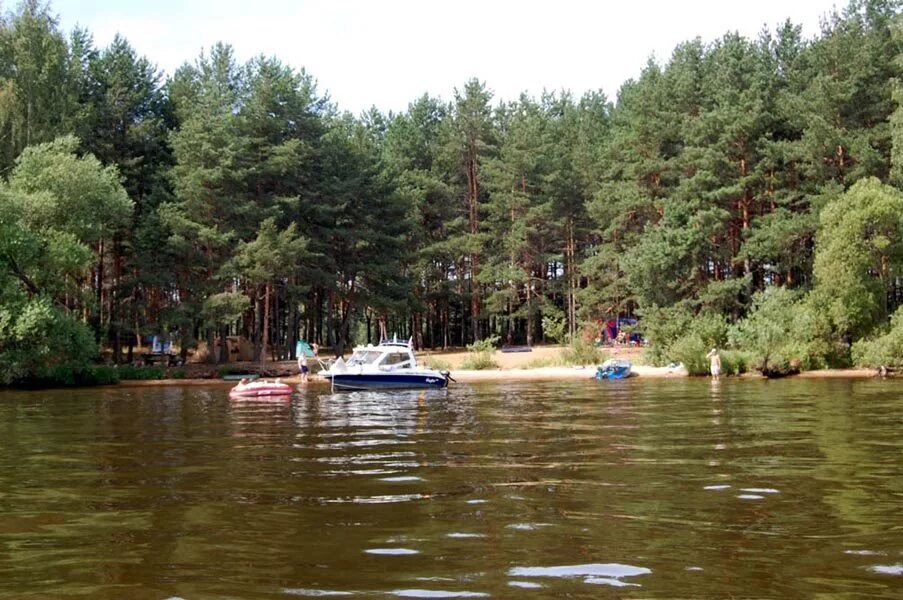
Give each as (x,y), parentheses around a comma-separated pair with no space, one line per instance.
(387,53)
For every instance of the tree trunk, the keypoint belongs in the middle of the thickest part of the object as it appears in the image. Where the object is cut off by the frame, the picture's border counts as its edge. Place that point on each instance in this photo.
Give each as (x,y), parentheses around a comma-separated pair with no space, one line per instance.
(529,309)
(223,344)
(473,197)
(266,326)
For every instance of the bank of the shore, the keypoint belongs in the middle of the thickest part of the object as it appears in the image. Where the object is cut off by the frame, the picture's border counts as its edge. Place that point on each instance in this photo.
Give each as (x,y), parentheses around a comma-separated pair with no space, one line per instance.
(534,374)
(511,366)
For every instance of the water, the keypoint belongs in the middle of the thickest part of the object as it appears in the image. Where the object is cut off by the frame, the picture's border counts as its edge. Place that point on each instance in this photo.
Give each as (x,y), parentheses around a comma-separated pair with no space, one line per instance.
(642,489)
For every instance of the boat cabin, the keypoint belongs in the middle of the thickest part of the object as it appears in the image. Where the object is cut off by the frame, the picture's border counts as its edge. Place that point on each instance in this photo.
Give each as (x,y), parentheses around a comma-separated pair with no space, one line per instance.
(388,356)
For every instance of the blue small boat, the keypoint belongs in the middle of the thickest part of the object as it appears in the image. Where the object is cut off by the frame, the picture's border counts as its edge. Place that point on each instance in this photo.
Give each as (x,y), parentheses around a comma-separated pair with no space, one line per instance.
(614,369)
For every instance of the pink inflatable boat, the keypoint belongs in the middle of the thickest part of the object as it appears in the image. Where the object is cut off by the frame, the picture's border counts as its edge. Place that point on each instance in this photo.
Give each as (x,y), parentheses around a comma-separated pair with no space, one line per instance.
(254,389)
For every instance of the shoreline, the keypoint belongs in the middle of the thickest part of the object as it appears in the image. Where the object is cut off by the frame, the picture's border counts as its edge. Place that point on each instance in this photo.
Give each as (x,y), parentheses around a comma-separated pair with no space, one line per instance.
(533,374)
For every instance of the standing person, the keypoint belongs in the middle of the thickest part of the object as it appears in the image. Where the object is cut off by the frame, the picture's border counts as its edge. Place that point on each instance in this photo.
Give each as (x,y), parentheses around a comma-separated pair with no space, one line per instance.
(714,363)
(302,367)
(316,349)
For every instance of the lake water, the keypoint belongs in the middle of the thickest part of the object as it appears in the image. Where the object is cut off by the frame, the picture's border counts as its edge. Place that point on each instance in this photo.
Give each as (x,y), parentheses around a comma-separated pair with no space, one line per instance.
(627,489)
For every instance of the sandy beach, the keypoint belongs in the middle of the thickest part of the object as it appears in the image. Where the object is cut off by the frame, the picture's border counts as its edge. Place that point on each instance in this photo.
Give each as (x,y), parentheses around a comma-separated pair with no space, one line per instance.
(512,366)
(527,366)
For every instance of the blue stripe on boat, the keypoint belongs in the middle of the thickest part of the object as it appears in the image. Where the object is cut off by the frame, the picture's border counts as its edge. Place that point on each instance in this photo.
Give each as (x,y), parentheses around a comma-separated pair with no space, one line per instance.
(386,382)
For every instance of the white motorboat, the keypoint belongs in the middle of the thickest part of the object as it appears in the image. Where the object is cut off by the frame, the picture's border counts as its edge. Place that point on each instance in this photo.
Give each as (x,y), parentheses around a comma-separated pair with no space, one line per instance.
(389,366)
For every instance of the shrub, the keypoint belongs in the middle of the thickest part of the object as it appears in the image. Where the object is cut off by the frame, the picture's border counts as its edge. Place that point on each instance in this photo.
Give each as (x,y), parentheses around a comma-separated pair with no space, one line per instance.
(662,327)
(485,345)
(883,350)
(582,352)
(67,376)
(479,361)
(691,350)
(101,375)
(176,373)
(130,373)
(677,335)
(734,362)
(480,354)
(782,334)
(554,329)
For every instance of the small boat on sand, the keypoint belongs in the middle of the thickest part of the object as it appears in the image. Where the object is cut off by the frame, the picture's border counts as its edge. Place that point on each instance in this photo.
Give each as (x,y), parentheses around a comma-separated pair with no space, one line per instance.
(614,368)
(256,389)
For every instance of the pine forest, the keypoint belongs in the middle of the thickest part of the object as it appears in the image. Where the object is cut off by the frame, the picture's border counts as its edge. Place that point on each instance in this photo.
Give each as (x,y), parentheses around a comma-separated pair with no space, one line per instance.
(745,194)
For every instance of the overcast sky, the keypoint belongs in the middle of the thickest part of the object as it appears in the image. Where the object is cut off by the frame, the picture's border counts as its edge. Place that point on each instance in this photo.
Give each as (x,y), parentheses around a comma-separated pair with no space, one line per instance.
(386,53)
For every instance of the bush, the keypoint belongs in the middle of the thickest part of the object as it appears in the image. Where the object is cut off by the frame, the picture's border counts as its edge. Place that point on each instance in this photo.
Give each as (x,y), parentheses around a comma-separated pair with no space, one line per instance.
(554,328)
(782,334)
(101,375)
(176,373)
(884,350)
(582,352)
(691,350)
(130,373)
(40,342)
(480,354)
(662,328)
(67,376)
(479,361)
(734,362)
(484,345)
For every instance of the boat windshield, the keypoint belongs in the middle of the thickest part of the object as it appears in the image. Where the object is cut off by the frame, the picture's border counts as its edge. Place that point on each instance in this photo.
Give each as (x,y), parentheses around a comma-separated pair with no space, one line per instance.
(398,360)
(364,357)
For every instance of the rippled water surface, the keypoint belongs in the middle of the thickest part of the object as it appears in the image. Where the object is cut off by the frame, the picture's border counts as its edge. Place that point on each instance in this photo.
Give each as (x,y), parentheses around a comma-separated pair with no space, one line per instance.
(636,489)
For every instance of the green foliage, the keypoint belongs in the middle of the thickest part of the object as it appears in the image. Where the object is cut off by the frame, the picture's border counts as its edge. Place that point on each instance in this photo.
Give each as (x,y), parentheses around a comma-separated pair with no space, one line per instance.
(479,361)
(885,349)
(101,375)
(735,362)
(859,255)
(780,334)
(69,376)
(554,329)
(69,193)
(582,352)
(224,308)
(38,339)
(132,373)
(239,197)
(487,344)
(675,334)
(690,350)
(480,353)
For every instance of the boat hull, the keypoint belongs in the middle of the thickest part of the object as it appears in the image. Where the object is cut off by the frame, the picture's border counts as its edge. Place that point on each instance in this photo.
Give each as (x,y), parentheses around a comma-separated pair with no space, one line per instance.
(614,374)
(614,369)
(361,381)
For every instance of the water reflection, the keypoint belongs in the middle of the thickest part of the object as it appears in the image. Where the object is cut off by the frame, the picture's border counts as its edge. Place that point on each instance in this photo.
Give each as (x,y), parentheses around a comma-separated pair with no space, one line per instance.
(788,488)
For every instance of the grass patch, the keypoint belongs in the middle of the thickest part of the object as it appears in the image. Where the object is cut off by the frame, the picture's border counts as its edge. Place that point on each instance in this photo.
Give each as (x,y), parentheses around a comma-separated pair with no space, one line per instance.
(438,364)
(549,361)
(479,361)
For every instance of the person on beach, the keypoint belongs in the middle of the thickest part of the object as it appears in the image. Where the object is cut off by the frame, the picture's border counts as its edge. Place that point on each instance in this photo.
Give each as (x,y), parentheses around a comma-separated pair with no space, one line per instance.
(302,367)
(714,363)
